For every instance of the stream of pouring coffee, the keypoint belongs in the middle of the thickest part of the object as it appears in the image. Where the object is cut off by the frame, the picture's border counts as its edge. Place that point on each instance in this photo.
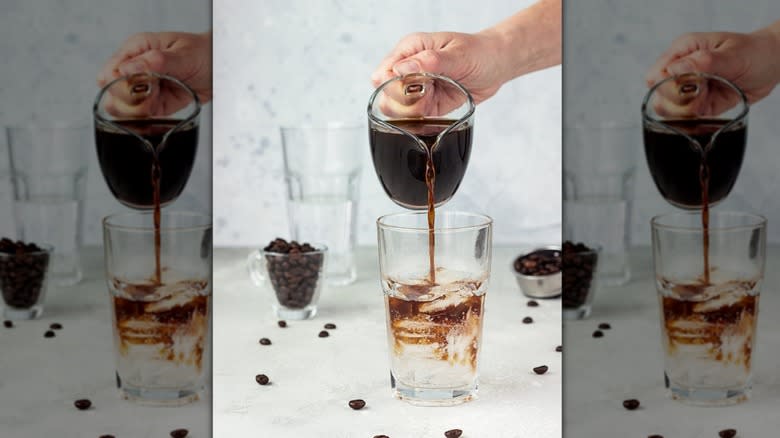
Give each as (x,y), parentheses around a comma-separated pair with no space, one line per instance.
(156,175)
(704,181)
(430,182)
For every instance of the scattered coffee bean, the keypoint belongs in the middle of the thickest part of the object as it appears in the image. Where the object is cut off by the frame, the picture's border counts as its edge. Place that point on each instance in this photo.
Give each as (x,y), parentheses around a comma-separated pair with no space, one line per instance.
(179,433)
(107,436)
(357,404)
(539,262)
(381,436)
(655,436)
(559,348)
(598,334)
(330,326)
(82,404)
(528,320)
(605,326)
(265,341)
(453,433)
(324,334)
(533,303)
(579,264)
(282,324)
(261,379)
(22,270)
(631,404)
(56,326)
(8,324)
(294,271)
(727,433)
(541,369)
(48,334)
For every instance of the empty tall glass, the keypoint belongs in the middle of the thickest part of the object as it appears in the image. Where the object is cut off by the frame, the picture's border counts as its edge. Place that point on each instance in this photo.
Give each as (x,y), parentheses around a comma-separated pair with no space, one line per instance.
(322,170)
(49,173)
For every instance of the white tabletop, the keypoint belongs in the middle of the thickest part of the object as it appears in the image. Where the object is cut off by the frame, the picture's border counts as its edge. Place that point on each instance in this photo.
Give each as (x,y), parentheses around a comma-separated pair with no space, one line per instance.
(628,363)
(40,378)
(313,378)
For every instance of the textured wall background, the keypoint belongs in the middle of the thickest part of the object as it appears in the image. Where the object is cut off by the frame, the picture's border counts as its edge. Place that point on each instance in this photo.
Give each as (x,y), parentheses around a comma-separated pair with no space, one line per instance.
(604,68)
(52,51)
(280,62)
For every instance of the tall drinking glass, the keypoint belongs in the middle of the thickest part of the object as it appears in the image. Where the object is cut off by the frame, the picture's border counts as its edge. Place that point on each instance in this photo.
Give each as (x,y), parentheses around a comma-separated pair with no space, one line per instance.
(322,170)
(708,326)
(161,328)
(434,329)
(49,174)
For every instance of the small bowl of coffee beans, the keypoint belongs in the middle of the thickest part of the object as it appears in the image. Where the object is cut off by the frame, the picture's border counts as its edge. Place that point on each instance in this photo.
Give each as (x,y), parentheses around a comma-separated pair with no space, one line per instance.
(579,278)
(538,272)
(23,274)
(294,273)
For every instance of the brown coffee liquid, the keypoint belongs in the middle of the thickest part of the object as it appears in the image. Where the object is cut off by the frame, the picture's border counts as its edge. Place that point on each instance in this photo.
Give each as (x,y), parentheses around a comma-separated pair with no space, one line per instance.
(140,179)
(421,178)
(693,178)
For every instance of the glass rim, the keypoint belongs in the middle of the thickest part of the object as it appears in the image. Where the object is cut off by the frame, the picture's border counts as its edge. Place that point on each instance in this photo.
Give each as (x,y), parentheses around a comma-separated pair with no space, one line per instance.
(109,225)
(319,248)
(45,249)
(740,117)
(335,125)
(759,221)
(486,222)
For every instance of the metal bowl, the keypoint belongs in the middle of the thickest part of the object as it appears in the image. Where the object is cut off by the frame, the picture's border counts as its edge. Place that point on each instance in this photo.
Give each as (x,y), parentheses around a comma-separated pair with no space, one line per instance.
(539,286)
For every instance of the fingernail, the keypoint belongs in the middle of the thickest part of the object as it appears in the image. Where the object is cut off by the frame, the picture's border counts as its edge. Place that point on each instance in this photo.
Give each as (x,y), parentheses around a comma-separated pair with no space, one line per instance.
(681,67)
(406,67)
(132,67)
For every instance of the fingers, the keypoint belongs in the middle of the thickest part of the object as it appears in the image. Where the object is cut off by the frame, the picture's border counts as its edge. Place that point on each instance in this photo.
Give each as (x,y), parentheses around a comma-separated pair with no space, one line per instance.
(680,47)
(133,46)
(406,47)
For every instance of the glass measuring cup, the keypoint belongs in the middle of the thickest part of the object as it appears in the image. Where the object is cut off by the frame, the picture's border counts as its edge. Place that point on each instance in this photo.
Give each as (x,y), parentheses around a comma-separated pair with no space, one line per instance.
(420,132)
(146,133)
(695,130)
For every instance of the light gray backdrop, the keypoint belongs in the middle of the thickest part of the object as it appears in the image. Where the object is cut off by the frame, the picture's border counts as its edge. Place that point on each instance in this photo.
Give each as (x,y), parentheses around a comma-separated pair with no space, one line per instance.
(51,54)
(280,62)
(608,47)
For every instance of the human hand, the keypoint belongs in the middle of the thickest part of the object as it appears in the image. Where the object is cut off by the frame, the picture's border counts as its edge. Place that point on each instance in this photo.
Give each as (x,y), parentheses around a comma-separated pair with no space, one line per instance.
(184,56)
(747,60)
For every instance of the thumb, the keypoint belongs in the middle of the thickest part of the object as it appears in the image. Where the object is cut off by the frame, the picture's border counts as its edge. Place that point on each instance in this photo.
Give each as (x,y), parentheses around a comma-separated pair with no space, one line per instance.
(156,61)
(430,61)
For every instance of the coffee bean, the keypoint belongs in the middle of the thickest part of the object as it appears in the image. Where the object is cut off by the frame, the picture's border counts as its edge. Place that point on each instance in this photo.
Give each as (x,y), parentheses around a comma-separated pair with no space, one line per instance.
(294,271)
(598,334)
(261,379)
(631,404)
(538,263)
(605,326)
(541,369)
(324,334)
(330,326)
(453,433)
(559,348)
(8,324)
(579,264)
(82,404)
(381,436)
(727,433)
(655,436)
(533,303)
(282,324)
(265,341)
(22,270)
(528,320)
(48,334)
(107,436)
(179,433)
(357,404)
(56,326)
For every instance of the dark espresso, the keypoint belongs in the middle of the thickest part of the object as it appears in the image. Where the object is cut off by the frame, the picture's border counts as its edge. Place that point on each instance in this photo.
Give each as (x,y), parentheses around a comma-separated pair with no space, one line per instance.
(696,177)
(414,176)
(676,166)
(128,166)
(140,178)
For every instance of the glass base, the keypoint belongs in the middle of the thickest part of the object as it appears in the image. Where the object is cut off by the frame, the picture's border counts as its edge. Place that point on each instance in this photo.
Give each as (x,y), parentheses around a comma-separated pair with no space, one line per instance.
(13,314)
(295,314)
(431,396)
(708,396)
(576,313)
(157,396)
